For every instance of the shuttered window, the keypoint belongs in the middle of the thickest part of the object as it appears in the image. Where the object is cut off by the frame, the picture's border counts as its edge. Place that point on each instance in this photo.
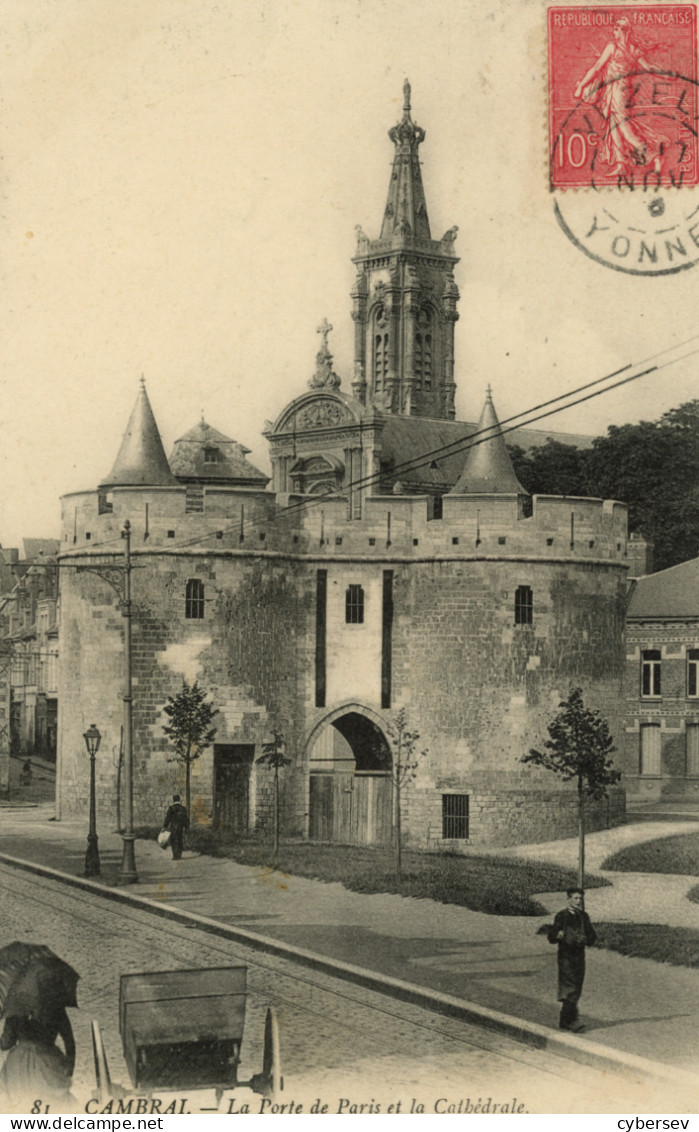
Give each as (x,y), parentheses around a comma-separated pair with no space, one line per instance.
(692,739)
(650,748)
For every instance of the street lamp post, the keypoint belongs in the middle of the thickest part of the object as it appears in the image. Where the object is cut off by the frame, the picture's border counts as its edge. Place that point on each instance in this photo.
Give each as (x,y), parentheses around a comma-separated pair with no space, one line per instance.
(127,873)
(92,739)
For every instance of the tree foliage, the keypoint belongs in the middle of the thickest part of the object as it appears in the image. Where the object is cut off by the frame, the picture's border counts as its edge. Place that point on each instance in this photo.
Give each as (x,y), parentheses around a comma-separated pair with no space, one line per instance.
(189,729)
(579,747)
(652,466)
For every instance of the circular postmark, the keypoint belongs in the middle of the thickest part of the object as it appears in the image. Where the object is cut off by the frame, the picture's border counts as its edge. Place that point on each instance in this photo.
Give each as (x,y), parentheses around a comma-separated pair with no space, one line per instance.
(635,229)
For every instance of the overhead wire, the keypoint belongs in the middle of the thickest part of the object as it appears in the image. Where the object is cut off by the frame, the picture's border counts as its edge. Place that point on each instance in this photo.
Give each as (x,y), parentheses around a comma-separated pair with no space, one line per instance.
(461,445)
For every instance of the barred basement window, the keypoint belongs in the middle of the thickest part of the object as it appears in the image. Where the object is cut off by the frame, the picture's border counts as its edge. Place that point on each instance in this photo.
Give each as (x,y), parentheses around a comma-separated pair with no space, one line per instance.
(454,816)
(524,605)
(354,605)
(650,673)
(194,599)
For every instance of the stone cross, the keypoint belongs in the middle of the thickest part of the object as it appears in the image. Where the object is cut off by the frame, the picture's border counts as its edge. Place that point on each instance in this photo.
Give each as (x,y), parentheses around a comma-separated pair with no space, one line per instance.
(324,329)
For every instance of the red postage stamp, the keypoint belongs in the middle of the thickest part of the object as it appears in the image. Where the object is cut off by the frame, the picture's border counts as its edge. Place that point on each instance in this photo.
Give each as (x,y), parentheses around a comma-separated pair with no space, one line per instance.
(623,96)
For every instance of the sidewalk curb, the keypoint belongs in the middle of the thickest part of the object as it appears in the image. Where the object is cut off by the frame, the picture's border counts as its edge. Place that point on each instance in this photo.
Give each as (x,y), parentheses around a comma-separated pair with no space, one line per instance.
(530,1033)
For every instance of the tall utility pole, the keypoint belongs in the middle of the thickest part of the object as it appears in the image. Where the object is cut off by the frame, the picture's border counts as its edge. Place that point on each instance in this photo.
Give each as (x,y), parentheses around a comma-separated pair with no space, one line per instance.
(119,578)
(127,872)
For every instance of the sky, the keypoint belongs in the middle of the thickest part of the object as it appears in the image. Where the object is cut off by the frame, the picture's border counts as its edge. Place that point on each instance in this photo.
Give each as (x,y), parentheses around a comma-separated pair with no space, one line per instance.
(181,183)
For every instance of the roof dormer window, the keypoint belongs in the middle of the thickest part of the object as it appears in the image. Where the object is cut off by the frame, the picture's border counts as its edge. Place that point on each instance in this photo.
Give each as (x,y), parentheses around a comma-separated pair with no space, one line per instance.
(211,455)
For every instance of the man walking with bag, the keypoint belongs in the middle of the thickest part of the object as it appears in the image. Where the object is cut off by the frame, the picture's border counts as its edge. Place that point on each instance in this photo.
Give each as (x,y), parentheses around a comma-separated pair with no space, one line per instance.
(177,823)
(573,932)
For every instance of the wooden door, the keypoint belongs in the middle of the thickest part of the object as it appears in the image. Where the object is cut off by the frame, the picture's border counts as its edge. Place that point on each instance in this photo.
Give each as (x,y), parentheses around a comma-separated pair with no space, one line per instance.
(232,766)
(330,808)
(350,809)
(371,810)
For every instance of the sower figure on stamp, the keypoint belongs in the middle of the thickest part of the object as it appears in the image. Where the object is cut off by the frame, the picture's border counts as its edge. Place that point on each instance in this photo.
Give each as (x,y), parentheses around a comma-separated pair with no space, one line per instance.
(177,822)
(573,932)
(628,139)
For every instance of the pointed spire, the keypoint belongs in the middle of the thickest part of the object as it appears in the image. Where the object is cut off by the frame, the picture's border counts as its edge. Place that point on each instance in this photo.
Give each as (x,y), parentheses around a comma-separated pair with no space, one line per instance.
(141,459)
(406,212)
(488,469)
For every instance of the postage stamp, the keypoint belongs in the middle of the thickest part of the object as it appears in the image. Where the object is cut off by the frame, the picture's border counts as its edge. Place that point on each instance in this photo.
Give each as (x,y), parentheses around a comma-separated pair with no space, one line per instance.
(622,88)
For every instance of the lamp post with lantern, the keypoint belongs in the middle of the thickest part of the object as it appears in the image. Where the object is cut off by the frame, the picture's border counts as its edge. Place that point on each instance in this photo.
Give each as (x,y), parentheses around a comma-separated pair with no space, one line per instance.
(92,739)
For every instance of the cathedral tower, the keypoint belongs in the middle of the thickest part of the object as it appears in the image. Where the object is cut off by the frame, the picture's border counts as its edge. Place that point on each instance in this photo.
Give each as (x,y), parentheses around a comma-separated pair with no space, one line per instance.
(404,298)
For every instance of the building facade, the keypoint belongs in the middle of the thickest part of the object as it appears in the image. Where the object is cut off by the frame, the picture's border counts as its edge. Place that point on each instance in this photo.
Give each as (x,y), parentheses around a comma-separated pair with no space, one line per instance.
(29,635)
(661,738)
(394,562)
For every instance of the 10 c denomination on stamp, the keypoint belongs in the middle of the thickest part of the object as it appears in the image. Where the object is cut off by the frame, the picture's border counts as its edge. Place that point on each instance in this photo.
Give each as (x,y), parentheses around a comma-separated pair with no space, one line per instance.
(623,96)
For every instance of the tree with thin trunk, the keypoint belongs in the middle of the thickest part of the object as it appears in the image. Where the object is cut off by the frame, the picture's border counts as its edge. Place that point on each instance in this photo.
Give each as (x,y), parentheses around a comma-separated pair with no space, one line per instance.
(403,770)
(189,730)
(579,748)
(273,756)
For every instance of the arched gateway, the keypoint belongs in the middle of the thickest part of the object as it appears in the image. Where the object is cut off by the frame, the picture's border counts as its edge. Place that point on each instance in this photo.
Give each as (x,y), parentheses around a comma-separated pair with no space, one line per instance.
(350,780)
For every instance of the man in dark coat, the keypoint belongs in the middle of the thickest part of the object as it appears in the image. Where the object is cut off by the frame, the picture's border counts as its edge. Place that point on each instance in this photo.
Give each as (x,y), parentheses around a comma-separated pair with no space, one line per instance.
(177,822)
(573,932)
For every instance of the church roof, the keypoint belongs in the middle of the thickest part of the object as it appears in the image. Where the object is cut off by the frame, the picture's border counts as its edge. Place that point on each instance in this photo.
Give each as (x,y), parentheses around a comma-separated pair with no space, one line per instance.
(141,459)
(405,440)
(488,469)
(205,454)
(669,594)
(406,211)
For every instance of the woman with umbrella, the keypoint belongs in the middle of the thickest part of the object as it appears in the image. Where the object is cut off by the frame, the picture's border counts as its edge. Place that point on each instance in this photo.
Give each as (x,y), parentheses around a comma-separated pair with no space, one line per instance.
(35,989)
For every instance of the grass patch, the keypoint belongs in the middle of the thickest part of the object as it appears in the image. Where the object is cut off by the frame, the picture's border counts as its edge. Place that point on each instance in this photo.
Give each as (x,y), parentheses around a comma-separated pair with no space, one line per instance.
(501,886)
(677,855)
(677,946)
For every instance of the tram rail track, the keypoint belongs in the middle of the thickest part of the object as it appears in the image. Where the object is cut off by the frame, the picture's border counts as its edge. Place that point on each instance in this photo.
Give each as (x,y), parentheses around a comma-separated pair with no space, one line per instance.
(337,1013)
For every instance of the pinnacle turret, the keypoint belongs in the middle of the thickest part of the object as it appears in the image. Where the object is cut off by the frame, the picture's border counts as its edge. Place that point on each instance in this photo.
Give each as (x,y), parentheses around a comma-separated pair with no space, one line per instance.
(406,211)
(141,459)
(488,469)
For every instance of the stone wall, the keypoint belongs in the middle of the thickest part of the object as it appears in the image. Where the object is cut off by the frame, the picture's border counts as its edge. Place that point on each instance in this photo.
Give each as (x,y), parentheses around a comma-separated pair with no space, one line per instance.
(479,688)
(507,817)
(246,652)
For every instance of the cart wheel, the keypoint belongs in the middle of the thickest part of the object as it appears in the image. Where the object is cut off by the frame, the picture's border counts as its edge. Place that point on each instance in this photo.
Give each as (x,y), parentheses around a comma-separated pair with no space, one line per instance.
(271,1060)
(104,1081)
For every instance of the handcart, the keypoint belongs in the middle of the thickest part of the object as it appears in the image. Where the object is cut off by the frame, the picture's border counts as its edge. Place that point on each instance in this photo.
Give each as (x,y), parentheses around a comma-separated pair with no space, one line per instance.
(184,1029)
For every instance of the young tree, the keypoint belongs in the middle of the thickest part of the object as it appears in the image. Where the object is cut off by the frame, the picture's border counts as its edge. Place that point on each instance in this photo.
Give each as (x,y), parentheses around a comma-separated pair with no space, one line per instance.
(403,770)
(579,747)
(273,755)
(189,730)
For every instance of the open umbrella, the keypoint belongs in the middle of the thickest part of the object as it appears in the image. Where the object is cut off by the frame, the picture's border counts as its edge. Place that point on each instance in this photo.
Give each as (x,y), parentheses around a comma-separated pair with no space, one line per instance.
(34,981)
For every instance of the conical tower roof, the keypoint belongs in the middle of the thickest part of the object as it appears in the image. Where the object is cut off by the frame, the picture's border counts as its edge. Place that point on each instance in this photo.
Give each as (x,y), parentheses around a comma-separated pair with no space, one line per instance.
(141,460)
(488,469)
(406,211)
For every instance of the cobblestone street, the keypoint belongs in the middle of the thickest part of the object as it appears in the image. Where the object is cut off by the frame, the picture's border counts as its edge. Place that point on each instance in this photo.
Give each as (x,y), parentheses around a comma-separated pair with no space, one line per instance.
(337,1040)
